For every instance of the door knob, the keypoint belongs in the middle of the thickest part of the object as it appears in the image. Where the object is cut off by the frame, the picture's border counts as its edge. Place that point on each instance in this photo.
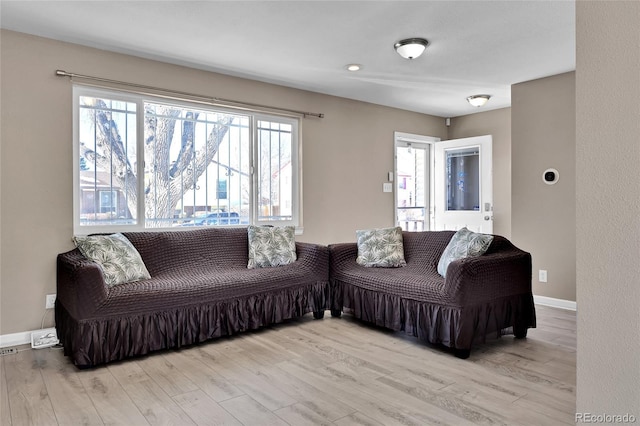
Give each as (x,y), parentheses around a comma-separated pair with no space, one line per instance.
(487,218)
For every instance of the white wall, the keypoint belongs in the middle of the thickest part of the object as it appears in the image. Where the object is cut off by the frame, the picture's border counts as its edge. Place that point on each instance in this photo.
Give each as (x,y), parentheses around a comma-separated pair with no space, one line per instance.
(608,206)
(543,135)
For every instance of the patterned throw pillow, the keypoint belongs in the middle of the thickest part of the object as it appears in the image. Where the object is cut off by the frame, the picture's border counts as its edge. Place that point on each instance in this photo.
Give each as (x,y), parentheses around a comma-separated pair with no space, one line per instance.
(120,261)
(271,246)
(464,243)
(381,248)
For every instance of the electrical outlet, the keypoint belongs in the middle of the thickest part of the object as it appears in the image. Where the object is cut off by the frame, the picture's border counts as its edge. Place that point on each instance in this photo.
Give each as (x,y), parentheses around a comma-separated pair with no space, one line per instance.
(542,276)
(387,187)
(50,301)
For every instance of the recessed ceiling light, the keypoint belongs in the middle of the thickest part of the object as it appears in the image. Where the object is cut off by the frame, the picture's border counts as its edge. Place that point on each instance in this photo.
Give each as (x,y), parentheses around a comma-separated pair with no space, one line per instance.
(354,67)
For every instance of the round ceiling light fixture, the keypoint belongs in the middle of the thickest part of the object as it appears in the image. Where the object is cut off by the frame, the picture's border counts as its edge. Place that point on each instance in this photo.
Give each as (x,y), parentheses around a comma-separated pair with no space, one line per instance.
(478,100)
(354,67)
(411,48)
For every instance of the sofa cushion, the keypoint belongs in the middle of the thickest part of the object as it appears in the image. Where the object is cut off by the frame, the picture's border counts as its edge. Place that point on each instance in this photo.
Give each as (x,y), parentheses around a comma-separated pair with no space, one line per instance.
(464,243)
(381,248)
(271,246)
(120,261)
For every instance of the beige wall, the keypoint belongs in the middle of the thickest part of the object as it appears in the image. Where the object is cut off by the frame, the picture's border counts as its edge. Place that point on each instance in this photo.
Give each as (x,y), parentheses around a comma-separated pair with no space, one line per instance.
(496,123)
(346,157)
(608,201)
(543,216)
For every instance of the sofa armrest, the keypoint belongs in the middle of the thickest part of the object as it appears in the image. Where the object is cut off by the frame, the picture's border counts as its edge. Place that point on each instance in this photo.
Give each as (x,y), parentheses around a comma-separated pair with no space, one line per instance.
(476,280)
(341,255)
(80,284)
(315,257)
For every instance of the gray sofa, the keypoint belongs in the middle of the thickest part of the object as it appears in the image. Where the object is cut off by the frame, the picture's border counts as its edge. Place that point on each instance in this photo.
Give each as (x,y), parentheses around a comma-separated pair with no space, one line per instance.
(480,297)
(200,288)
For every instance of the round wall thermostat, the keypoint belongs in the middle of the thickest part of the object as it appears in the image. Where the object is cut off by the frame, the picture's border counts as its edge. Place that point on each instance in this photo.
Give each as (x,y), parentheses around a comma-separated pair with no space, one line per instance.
(550,176)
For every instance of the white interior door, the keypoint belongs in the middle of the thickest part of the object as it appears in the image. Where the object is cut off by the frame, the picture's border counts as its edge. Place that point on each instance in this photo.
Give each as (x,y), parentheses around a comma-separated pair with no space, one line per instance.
(463,187)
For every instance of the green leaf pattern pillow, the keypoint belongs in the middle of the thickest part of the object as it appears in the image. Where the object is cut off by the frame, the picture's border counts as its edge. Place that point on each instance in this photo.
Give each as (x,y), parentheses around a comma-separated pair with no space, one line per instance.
(381,248)
(464,243)
(271,246)
(118,258)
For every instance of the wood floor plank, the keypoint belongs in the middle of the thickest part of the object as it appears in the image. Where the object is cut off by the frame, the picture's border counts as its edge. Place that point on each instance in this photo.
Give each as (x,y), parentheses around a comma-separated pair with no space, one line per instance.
(386,408)
(28,397)
(553,386)
(357,419)
(111,401)
(264,351)
(482,396)
(301,415)
(166,375)
(202,375)
(528,413)
(472,413)
(155,405)
(254,385)
(203,410)
(250,412)
(324,404)
(70,402)
(326,347)
(5,411)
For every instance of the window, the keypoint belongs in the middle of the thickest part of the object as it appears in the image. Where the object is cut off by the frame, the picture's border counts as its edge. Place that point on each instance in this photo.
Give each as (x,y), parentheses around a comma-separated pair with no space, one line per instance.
(463,179)
(145,163)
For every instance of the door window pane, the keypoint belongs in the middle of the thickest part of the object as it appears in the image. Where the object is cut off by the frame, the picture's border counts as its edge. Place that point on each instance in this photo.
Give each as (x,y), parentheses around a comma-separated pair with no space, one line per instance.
(463,179)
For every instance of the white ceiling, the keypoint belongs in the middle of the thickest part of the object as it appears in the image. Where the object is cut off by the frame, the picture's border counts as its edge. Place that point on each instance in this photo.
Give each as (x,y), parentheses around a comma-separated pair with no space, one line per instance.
(475,46)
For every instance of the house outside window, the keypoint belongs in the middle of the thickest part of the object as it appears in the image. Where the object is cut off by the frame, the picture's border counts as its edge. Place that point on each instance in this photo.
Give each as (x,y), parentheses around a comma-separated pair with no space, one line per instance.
(145,163)
(108,201)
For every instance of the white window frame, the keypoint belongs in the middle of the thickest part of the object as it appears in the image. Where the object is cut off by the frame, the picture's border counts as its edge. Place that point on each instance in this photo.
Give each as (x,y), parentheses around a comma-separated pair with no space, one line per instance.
(139,100)
(296,172)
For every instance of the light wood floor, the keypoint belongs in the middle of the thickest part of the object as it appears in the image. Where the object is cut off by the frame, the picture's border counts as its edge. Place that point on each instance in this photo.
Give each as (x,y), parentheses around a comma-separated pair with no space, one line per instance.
(307,372)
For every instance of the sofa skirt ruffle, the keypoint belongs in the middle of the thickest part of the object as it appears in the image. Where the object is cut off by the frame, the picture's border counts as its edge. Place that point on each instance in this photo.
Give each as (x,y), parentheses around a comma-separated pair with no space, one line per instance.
(454,327)
(97,341)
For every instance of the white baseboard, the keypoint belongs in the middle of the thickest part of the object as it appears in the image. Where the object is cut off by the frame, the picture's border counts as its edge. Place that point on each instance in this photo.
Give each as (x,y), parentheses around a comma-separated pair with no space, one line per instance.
(556,303)
(15,339)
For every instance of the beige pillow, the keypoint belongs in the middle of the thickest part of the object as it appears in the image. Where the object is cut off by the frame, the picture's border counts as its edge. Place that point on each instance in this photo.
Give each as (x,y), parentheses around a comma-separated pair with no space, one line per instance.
(271,246)
(118,258)
(464,243)
(380,248)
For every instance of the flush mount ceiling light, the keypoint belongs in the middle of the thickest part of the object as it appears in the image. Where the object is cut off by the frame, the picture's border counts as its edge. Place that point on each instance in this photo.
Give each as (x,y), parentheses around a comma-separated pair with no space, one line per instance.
(478,100)
(354,67)
(411,48)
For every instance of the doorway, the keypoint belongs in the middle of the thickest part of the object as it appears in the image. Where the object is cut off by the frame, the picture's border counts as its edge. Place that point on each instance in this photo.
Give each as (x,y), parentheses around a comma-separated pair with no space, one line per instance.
(413,181)
(443,184)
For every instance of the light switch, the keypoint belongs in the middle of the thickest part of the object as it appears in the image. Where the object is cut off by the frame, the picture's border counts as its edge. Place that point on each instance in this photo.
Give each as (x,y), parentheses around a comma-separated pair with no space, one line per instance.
(542,276)
(387,187)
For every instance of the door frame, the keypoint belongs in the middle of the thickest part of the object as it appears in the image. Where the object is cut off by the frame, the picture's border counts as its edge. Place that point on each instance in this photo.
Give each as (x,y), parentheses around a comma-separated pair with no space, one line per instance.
(402,138)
